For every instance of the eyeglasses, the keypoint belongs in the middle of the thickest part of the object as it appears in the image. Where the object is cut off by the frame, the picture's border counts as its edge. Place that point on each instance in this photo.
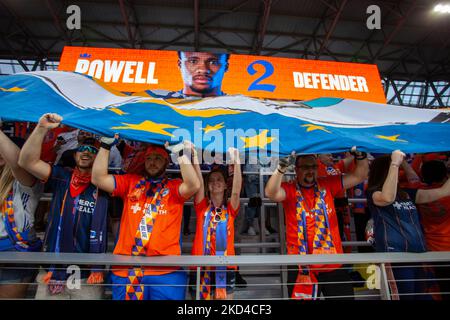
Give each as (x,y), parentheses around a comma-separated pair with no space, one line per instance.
(90,149)
(306,167)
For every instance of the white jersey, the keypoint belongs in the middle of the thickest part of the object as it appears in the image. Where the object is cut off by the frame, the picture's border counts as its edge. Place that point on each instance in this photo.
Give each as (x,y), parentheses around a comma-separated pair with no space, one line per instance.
(25,202)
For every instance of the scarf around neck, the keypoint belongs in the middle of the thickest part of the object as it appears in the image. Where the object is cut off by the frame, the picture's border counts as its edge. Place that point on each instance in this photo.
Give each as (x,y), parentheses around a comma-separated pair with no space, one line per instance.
(79,182)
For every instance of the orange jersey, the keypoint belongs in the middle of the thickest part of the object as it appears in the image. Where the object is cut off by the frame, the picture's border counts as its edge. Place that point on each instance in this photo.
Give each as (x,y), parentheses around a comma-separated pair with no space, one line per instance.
(332,185)
(201,209)
(435,220)
(165,236)
(335,170)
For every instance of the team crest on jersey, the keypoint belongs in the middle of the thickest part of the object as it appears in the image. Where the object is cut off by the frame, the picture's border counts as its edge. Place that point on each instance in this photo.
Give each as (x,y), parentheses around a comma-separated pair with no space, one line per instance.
(332,171)
(94,194)
(165,192)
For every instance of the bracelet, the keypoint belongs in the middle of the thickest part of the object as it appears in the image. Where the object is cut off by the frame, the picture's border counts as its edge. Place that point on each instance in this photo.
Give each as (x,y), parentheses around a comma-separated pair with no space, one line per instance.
(395,165)
(105,146)
(281,171)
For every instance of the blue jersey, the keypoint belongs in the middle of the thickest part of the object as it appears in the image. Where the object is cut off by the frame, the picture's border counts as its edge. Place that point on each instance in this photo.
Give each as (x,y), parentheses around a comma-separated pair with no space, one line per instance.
(396,226)
(81,221)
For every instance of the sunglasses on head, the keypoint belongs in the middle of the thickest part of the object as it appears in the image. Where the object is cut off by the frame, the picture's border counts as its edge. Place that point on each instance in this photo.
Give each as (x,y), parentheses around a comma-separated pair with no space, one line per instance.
(90,149)
(217,216)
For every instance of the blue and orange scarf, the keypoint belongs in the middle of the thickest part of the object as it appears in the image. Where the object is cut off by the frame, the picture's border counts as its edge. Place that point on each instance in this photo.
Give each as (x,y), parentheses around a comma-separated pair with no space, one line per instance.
(218,228)
(16,240)
(306,287)
(135,288)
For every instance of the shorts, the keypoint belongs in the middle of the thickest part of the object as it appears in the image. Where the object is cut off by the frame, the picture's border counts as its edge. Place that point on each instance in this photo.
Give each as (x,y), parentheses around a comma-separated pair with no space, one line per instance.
(170,286)
(231,282)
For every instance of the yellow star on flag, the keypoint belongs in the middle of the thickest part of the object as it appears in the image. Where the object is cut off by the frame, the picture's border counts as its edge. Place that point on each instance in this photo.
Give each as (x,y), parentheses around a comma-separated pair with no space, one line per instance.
(14,89)
(117,111)
(148,126)
(391,138)
(313,127)
(209,128)
(261,140)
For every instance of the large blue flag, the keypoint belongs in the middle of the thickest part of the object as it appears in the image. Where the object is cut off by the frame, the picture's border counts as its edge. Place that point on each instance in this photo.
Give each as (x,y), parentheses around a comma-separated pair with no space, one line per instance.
(324,125)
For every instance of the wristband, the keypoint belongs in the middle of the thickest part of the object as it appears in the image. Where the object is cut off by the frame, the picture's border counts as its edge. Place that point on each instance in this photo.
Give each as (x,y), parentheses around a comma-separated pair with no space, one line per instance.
(105,146)
(395,165)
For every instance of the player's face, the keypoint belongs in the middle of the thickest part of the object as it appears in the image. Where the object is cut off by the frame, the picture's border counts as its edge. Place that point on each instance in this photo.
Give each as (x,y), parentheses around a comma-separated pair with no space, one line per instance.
(155,165)
(202,72)
(306,170)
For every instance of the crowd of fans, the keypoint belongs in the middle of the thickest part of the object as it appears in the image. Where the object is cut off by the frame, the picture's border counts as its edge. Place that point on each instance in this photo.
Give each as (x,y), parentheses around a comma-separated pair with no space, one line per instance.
(109,186)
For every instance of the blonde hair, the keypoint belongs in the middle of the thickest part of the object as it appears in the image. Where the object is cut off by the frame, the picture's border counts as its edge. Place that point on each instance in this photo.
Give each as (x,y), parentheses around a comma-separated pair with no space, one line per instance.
(6,182)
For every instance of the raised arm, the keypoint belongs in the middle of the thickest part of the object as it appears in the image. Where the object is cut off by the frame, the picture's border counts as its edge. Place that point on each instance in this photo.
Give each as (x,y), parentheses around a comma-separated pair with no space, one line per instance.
(100,176)
(388,193)
(273,189)
(349,158)
(10,153)
(361,171)
(29,157)
(410,174)
(237,178)
(425,196)
(191,183)
(200,194)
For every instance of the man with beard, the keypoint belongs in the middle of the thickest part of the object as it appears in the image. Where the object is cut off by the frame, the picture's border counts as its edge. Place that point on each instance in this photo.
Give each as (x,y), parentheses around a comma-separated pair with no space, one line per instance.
(150,223)
(311,223)
(77,217)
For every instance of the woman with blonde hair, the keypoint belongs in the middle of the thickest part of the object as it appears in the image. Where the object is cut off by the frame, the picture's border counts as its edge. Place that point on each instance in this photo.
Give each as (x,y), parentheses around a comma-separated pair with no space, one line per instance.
(19,197)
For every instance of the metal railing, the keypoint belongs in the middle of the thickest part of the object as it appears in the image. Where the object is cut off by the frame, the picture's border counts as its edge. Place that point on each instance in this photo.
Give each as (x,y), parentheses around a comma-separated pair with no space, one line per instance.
(385,262)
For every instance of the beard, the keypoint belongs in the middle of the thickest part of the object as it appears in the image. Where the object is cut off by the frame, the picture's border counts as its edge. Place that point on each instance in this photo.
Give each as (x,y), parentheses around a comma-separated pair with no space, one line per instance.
(157,174)
(88,166)
(309,180)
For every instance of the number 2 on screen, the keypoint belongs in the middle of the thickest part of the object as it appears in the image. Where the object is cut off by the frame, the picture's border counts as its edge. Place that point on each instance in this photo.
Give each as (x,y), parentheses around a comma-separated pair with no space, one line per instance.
(268,71)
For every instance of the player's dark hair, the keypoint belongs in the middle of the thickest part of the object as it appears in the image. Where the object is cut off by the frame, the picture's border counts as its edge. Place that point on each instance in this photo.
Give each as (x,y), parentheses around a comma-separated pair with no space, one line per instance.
(227,55)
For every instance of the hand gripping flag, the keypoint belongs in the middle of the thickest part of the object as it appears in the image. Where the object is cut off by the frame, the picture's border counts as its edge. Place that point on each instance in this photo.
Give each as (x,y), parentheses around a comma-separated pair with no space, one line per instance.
(323,125)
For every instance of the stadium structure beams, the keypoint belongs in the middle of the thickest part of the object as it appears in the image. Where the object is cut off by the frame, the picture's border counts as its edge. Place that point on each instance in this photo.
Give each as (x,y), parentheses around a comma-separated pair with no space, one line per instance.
(197,25)
(397,93)
(204,24)
(237,48)
(398,26)
(437,95)
(30,37)
(331,28)
(57,22)
(262,27)
(406,48)
(129,17)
